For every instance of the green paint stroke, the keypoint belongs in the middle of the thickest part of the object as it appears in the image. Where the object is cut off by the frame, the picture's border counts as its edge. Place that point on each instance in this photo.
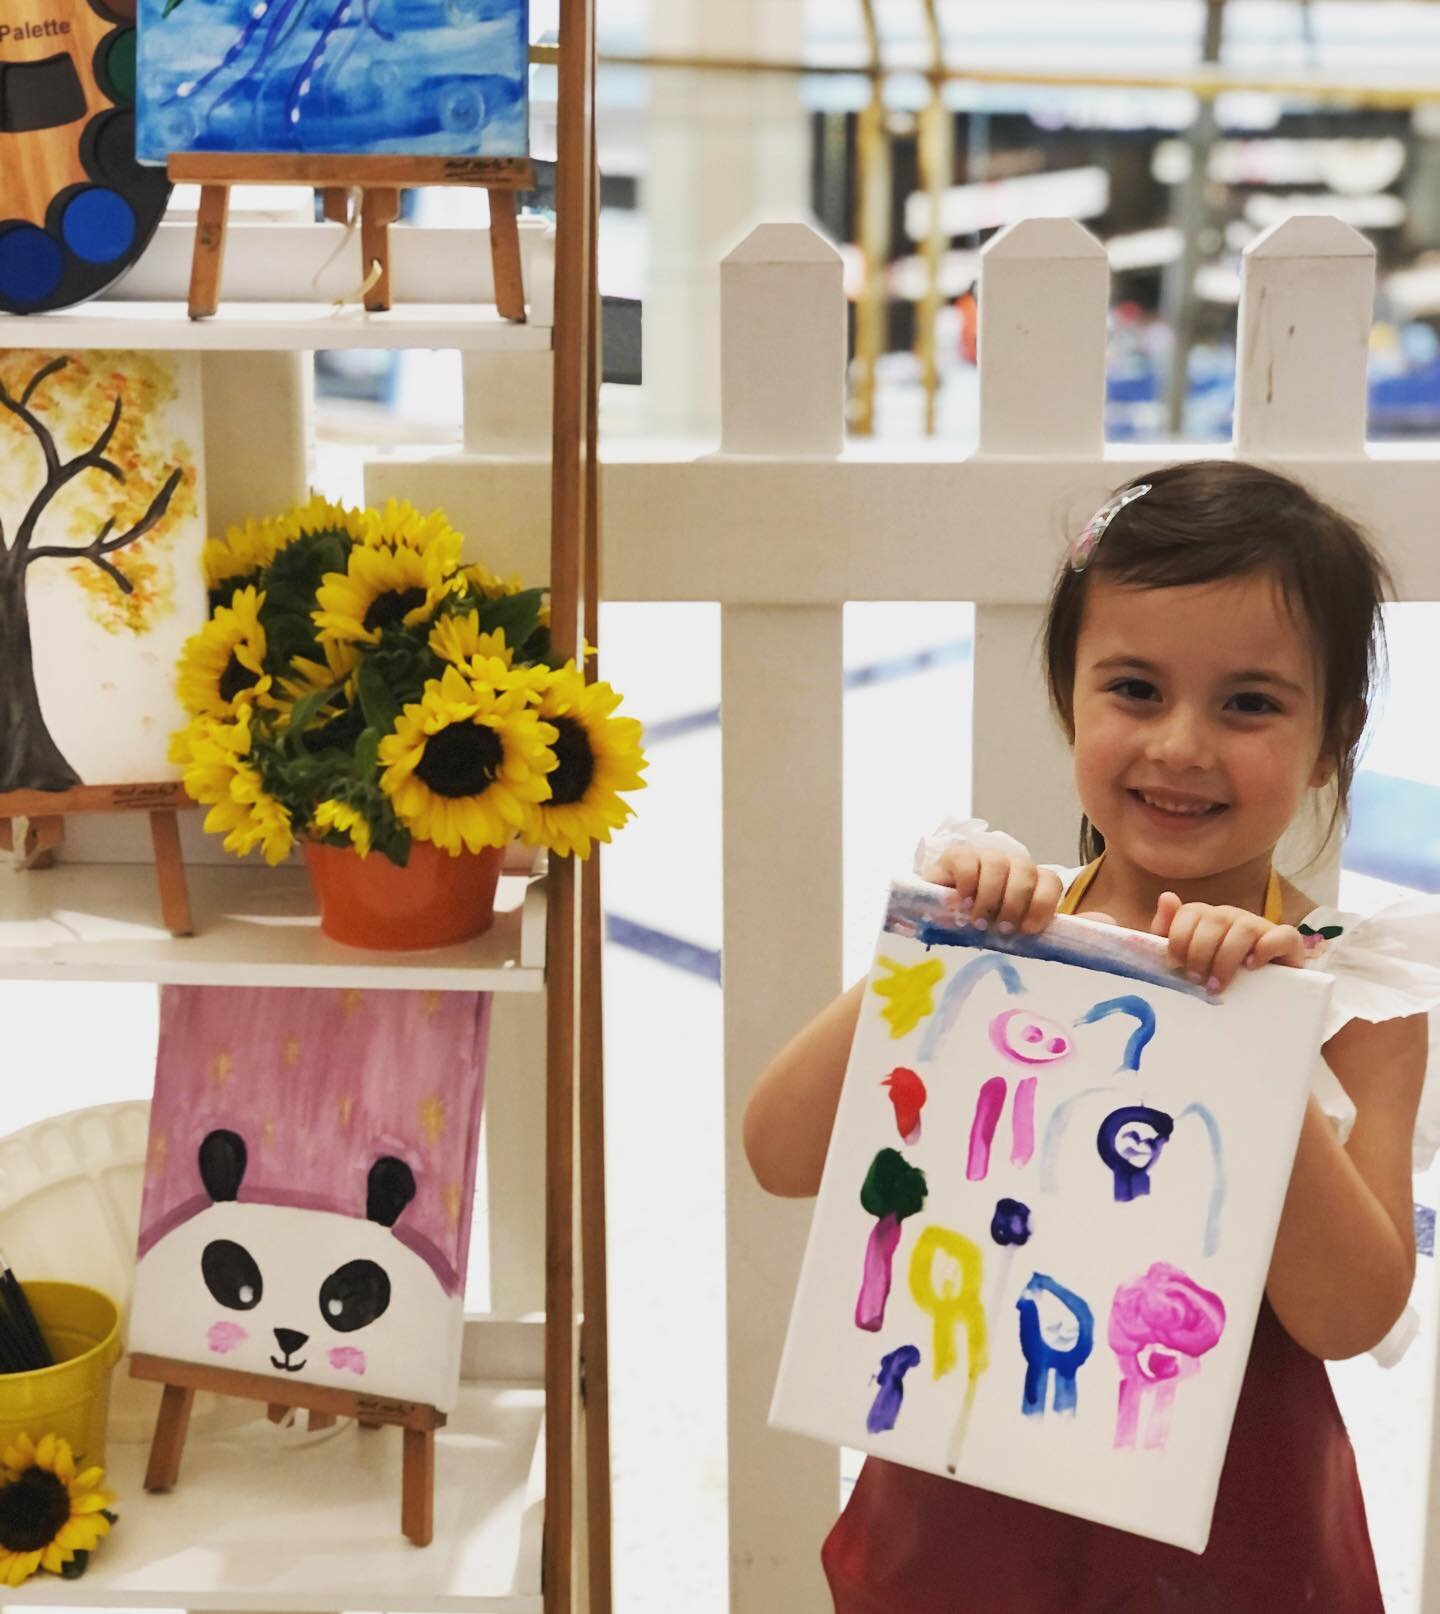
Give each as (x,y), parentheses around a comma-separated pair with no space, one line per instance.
(893,1187)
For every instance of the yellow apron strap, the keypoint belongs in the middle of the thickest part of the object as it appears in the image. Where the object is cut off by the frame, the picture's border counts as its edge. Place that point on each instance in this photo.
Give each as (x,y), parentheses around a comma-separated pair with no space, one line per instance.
(1274,898)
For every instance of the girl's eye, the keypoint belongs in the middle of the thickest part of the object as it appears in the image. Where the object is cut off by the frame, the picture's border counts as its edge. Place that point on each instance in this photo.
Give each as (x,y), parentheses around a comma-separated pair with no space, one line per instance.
(1132,689)
(1253,704)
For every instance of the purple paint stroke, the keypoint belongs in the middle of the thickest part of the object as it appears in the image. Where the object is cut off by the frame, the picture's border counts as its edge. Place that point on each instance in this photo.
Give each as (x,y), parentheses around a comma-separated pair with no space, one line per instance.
(885,1408)
(988,1106)
(875,1284)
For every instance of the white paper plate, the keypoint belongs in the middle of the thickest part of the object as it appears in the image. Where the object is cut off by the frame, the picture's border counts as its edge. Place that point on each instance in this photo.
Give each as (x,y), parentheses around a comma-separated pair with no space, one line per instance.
(70,1210)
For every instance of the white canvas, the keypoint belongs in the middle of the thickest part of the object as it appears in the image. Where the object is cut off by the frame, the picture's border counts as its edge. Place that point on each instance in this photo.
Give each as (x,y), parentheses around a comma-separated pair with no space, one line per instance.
(1090,1321)
(102,471)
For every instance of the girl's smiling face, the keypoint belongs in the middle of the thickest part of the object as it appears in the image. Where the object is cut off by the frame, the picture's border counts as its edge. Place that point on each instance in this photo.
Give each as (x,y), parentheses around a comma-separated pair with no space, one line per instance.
(1197,722)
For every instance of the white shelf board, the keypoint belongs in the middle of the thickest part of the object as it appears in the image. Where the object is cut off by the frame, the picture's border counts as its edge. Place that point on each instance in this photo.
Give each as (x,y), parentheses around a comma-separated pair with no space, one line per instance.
(283,327)
(261,1520)
(254,927)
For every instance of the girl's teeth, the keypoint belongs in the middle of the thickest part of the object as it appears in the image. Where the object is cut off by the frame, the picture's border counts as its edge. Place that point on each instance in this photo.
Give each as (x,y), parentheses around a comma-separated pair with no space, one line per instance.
(1181,812)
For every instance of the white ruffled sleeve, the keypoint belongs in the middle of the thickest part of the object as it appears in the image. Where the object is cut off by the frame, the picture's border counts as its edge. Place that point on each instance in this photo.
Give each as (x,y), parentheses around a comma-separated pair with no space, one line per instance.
(971,832)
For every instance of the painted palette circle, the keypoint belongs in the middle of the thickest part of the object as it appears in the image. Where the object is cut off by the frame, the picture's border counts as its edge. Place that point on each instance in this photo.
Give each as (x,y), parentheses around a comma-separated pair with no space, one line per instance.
(98,225)
(31,266)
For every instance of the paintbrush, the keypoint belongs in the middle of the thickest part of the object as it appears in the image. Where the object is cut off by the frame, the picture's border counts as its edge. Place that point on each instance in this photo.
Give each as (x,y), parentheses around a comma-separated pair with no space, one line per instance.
(13,1352)
(22,1316)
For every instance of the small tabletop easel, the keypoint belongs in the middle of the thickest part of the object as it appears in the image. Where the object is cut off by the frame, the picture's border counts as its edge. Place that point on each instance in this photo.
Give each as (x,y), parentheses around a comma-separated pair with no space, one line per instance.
(182,1379)
(379,180)
(45,812)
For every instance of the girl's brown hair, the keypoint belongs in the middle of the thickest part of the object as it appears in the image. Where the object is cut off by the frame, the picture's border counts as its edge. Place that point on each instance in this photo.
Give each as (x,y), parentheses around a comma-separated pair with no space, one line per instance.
(1209,520)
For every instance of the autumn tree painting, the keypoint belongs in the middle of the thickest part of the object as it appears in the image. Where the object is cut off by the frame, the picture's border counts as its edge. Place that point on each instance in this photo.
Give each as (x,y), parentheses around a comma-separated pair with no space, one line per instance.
(93,481)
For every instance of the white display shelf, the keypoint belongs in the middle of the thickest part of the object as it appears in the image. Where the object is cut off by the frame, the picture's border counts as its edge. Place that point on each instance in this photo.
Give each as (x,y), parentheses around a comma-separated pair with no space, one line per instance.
(273,327)
(254,927)
(265,1519)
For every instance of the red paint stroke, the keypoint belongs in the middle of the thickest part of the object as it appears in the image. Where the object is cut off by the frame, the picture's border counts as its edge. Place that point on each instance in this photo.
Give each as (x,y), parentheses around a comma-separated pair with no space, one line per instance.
(907,1094)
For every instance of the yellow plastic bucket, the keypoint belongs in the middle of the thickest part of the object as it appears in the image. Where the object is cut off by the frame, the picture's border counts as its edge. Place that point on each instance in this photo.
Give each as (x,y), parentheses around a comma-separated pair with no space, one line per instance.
(82,1328)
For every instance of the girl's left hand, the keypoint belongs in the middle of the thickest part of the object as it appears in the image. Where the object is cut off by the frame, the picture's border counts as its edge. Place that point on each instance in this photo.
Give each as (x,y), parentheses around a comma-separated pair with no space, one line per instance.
(1212,944)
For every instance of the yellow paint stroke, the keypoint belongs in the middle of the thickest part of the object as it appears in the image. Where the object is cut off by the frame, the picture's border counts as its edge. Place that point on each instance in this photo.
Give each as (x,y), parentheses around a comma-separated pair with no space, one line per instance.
(158,1154)
(345,1104)
(432,1118)
(911,993)
(452,1203)
(221,1067)
(946,1271)
(350,1000)
(290,1050)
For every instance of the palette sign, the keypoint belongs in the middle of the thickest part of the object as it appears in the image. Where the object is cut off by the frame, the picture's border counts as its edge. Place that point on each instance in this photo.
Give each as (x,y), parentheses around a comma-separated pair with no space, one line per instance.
(1046,1215)
(76,208)
(422,78)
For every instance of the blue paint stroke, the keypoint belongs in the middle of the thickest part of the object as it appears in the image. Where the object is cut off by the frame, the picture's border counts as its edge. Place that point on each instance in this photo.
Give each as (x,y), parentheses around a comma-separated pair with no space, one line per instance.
(885,1409)
(959,987)
(922,911)
(1217,1188)
(1142,1034)
(1132,1174)
(1042,1358)
(1055,1135)
(1011,1222)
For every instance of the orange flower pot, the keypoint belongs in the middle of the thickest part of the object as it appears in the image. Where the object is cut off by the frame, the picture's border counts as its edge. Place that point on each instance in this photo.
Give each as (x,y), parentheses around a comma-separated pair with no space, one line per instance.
(435,901)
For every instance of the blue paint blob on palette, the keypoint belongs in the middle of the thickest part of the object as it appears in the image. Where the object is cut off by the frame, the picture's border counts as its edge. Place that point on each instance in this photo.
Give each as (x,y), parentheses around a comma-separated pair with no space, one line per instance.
(76,208)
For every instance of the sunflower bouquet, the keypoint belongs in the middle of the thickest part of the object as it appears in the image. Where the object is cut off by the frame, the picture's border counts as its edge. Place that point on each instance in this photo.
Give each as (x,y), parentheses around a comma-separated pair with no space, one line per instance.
(358,685)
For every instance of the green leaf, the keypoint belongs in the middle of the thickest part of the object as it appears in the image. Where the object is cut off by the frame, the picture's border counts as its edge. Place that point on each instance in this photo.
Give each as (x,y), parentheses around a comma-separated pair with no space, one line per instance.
(170,5)
(305,711)
(518,614)
(377,699)
(367,752)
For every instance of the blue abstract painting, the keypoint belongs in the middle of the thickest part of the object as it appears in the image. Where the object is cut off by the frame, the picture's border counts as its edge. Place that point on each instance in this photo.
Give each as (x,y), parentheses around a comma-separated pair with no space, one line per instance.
(434,78)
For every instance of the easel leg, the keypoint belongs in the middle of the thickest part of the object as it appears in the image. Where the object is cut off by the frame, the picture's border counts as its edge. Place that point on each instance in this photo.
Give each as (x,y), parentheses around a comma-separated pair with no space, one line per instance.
(170,873)
(37,846)
(417,1504)
(336,200)
(169,1442)
(378,211)
(209,250)
(505,257)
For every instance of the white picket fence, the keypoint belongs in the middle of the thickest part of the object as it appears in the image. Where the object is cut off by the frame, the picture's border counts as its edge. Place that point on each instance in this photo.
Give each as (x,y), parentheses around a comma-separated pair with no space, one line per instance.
(785,524)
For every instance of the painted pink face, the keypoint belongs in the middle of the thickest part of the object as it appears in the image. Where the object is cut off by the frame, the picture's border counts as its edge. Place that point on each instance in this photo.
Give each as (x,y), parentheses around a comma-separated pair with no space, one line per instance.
(1029,1039)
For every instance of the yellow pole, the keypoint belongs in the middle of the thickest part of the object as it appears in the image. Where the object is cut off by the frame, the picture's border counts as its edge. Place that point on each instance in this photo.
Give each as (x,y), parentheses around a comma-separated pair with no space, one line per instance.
(935,148)
(872,232)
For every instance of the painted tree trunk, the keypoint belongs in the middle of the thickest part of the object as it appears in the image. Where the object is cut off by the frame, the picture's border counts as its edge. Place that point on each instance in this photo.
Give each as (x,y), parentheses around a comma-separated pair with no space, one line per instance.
(29,756)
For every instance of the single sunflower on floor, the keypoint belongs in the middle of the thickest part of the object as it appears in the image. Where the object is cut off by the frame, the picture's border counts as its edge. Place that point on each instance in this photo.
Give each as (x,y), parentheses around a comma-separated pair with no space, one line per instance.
(51,1517)
(466,764)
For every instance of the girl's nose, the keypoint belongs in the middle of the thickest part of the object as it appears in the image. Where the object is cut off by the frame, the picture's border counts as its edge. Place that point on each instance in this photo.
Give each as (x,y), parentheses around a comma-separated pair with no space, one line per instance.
(1182,741)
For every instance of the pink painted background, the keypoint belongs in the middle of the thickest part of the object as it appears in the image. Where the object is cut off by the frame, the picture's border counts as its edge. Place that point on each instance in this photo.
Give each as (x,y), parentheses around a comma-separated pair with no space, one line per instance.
(320,1083)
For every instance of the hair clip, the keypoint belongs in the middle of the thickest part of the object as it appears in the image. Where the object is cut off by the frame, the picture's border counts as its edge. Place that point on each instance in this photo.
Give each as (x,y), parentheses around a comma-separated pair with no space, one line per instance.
(1084,546)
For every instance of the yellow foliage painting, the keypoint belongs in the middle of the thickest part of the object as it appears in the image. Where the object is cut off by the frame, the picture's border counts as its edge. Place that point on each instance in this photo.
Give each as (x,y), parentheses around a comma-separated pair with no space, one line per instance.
(101,530)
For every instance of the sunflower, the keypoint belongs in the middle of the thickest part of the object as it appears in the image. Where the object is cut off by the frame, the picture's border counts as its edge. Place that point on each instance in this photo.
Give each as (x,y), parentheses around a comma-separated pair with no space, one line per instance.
(399,525)
(458,640)
(380,588)
(337,815)
(465,766)
(241,555)
(222,668)
(339,721)
(597,756)
(483,583)
(48,1513)
(218,774)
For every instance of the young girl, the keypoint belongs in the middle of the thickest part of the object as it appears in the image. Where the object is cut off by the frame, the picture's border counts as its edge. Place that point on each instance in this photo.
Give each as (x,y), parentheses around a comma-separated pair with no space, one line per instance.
(1210,650)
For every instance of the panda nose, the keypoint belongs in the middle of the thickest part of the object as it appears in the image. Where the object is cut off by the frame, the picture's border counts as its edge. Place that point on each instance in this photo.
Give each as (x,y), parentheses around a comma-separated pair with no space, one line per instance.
(289,1340)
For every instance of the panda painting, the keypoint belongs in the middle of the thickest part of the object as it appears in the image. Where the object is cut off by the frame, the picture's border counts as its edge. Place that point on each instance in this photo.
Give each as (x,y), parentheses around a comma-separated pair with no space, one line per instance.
(306,1214)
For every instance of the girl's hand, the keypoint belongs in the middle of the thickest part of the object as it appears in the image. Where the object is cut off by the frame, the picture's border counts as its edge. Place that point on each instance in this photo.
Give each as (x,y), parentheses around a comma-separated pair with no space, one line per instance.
(992,884)
(1212,944)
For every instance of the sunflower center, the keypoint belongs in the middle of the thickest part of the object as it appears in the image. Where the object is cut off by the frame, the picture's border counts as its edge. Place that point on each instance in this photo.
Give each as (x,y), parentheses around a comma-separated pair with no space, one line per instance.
(461,760)
(392,607)
(236,678)
(32,1510)
(570,781)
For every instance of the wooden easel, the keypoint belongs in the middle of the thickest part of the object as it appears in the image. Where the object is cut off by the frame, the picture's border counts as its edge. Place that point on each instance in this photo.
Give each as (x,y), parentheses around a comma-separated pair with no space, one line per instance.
(46,810)
(182,1379)
(379,180)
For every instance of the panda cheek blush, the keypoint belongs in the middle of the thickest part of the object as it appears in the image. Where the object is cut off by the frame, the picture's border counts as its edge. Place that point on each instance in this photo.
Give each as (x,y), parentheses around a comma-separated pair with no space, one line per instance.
(224,1337)
(345,1358)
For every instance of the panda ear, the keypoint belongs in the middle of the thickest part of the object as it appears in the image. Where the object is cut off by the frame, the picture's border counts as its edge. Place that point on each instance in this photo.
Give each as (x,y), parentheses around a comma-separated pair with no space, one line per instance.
(392,1187)
(222,1164)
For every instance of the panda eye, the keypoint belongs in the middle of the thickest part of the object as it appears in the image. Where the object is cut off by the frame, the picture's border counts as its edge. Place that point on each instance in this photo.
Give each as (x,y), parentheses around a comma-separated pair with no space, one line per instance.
(354,1295)
(231,1275)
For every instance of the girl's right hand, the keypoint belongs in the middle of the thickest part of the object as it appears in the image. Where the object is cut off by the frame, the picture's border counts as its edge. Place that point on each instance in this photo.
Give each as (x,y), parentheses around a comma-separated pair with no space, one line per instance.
(995,885)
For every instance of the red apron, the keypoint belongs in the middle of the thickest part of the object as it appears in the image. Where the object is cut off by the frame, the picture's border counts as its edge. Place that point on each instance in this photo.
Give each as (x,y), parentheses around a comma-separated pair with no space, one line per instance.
(1289,1530)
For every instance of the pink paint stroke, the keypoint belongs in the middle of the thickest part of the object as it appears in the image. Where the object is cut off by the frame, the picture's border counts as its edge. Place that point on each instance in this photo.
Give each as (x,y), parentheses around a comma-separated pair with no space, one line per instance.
(1161,1324)
(1022,1123)
(875,1284)
(982,1129)
(224,1337)
(345,1358)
